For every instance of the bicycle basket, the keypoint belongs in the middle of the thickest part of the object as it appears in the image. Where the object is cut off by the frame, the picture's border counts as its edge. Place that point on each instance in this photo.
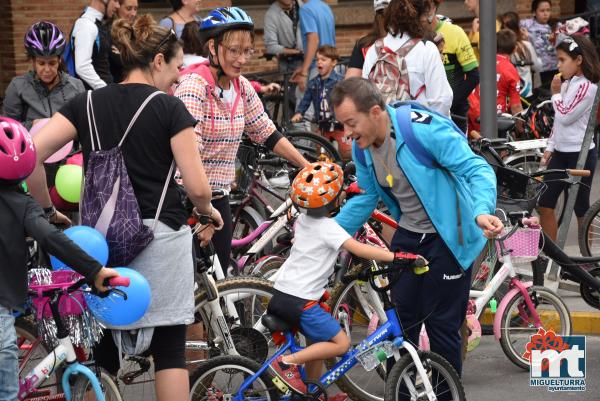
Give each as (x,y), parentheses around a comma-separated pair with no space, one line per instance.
(524,245)
(516,191)
(84,329)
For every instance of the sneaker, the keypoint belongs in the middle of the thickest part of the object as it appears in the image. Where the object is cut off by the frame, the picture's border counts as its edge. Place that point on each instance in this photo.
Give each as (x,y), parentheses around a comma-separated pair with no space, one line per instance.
(289,374)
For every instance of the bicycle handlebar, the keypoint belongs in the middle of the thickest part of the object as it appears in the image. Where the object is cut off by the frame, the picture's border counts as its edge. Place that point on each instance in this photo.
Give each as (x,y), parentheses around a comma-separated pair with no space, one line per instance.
(273,162)
(578,173)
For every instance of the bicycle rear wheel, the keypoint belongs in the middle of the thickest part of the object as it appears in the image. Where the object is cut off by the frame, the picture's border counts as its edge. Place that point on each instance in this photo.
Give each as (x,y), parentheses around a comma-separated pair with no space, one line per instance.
(220,379)
(517,324)
(313,147)
(404,383)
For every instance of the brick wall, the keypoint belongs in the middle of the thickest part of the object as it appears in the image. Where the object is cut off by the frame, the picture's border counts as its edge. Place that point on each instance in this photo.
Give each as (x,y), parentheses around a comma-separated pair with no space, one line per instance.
(353,20)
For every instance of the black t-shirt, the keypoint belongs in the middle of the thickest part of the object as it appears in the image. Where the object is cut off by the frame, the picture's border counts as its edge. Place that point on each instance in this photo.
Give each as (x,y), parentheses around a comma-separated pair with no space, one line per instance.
(357,59)
(147,148)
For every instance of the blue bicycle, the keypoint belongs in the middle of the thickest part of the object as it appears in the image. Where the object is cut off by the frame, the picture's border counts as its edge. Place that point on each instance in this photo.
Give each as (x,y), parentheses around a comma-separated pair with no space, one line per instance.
(415,375)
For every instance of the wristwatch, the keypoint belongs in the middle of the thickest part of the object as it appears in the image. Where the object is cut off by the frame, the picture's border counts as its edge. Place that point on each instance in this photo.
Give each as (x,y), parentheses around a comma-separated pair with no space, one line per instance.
(203,218)
(50,211)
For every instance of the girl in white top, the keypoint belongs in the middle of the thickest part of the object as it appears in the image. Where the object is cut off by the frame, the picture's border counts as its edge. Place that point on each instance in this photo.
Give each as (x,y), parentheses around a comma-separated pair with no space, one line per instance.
(428,83)
(572,101)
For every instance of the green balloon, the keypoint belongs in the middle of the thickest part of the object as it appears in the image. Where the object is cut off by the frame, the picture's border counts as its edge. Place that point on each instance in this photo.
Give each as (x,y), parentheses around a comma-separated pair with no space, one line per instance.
(68,182)
(24,186)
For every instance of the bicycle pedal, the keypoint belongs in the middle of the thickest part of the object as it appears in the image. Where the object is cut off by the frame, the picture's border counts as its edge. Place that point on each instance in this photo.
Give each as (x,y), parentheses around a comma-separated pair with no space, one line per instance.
(281,386)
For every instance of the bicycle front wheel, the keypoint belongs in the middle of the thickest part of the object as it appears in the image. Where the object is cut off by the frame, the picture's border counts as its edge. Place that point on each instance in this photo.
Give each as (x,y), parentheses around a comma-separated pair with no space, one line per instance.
(83,390)
(589,232)
(518,325)
(404,382)
(220,378)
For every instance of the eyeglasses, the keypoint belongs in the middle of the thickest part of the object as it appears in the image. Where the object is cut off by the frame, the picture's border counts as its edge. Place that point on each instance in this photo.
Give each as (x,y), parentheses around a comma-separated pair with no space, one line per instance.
(236,52)
(169,35)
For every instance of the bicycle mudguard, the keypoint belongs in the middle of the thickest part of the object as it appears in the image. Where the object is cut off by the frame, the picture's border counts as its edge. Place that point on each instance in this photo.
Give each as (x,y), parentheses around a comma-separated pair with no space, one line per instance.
(78,369)
(500,311)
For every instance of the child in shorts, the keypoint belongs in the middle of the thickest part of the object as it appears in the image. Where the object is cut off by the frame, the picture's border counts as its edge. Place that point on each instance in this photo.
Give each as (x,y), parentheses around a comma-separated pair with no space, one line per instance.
(301,280)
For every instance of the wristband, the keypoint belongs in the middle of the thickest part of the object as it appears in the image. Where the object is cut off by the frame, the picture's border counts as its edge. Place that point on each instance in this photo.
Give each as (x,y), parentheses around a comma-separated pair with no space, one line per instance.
(49,212)
(203,218)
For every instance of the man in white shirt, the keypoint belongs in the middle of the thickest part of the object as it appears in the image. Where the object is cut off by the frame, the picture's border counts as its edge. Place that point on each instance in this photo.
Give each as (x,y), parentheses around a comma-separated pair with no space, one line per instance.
(92,43)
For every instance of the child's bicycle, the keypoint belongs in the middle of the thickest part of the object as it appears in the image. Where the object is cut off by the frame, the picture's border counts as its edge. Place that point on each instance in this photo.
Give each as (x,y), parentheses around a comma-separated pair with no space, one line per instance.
(416,375)
(525,308)
(84,379)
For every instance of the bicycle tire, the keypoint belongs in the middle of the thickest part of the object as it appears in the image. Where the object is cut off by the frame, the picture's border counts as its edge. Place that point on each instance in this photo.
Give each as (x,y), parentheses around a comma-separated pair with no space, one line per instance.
(249,315)
(402,372)
(203,380)
(32,347)
(81,388)
(543,298)
(586,232)
(590,295)
(320,147)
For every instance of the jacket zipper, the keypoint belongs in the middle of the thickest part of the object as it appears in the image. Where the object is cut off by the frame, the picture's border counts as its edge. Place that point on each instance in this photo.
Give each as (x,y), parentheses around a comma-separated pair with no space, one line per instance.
(462,271)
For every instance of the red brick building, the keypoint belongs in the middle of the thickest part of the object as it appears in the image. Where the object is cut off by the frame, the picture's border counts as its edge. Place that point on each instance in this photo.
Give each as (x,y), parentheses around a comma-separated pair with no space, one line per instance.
(353,19)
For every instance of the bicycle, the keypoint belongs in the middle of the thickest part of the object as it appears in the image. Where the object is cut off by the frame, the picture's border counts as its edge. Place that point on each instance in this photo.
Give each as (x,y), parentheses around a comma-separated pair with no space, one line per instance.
(421,375)
(64,353)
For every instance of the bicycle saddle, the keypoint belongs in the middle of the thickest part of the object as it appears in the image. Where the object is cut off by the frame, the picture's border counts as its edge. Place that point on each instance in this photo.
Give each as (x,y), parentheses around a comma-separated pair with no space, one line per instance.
(275,324)
(505,124)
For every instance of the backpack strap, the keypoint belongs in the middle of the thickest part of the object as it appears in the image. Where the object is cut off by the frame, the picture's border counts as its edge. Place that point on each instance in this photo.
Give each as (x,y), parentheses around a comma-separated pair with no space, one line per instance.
(92,122)
(137,114)
(404,121)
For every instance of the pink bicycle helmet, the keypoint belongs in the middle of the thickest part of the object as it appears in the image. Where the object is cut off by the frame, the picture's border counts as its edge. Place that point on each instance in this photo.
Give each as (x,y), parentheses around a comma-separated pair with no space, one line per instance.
(17,153)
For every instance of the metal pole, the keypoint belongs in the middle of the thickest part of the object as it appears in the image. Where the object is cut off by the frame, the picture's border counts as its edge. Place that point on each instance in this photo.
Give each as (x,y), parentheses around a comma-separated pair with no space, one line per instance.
(574,189)
(487,67)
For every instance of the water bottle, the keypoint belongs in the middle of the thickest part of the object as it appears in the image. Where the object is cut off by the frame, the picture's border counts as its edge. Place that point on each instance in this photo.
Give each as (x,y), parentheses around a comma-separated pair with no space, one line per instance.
(376,355)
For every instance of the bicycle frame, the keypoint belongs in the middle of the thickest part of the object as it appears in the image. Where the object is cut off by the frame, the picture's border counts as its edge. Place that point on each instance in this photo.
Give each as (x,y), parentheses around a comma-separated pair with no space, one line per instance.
(389,330)
(63,353)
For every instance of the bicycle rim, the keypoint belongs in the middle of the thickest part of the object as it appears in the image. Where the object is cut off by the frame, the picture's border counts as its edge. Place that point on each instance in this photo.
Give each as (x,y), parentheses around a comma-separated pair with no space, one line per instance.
(589,234)
(220,379)
(404,383)
(518,325)
(313,147)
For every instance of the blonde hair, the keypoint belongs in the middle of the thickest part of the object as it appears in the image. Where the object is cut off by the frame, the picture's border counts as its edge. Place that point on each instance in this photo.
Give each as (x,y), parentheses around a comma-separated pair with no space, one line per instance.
(141,41)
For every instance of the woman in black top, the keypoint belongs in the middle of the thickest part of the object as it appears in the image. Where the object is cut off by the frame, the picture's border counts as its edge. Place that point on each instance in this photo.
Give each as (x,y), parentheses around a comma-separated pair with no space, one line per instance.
(151,56)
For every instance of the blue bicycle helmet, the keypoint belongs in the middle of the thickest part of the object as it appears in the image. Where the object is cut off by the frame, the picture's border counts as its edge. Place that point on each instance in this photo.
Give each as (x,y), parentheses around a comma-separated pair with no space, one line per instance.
(224,19)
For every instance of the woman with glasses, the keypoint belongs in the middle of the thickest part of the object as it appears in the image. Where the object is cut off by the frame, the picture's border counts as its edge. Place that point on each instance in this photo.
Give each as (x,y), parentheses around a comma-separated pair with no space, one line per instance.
(225,105)
(162,134)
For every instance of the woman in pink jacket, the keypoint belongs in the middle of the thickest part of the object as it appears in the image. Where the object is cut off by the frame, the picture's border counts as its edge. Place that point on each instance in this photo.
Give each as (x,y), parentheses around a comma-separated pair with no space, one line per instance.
(226,105)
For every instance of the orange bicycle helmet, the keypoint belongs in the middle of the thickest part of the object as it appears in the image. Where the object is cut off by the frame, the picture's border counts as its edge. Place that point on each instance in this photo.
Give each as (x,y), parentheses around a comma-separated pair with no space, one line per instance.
(317,185)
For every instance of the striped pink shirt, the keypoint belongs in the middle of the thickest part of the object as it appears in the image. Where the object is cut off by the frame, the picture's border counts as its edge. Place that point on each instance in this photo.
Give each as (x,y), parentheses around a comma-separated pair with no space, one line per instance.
(220,125)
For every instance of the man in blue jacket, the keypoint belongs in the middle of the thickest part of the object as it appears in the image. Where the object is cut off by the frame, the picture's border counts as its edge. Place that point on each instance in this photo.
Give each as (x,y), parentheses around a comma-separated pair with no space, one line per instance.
(444,209)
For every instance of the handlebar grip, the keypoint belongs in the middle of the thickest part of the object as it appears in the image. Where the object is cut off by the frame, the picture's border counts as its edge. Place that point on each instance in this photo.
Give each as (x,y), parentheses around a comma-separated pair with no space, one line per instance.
(578,173)
(119,281)
(275,162)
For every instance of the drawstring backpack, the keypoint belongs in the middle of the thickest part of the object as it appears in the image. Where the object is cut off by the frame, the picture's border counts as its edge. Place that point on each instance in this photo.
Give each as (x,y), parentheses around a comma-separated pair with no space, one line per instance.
(109,204)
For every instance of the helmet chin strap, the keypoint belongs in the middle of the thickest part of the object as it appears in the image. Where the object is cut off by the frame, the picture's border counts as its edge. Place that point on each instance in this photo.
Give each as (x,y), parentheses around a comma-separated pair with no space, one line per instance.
(211,60)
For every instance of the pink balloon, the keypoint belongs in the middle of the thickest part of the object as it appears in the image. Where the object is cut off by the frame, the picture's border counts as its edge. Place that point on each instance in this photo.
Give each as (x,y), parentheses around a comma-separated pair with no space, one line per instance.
(61,204)
(76,159)
(61,153)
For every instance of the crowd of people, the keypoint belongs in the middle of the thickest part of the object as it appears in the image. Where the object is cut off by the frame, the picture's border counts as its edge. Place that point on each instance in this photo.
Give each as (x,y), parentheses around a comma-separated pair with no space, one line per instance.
(173,92)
